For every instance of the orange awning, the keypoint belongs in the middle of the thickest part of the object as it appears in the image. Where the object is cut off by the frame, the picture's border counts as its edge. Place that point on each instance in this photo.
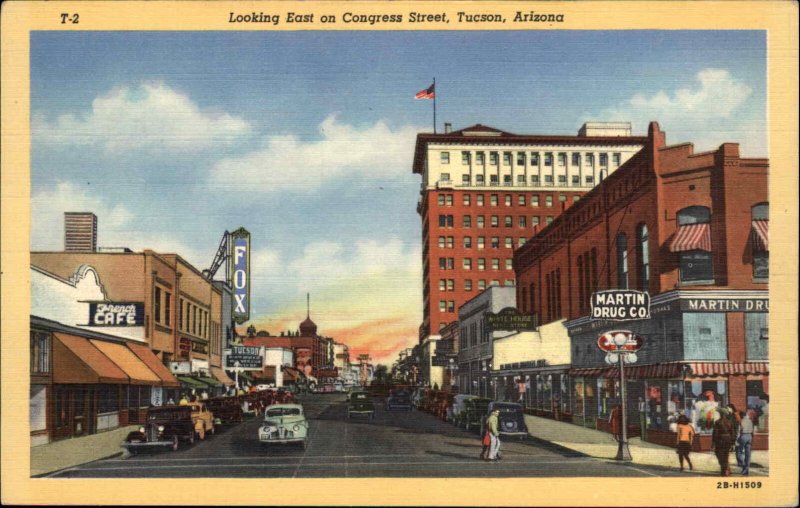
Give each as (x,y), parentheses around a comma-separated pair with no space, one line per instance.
(136,370)
(761,235)
(691,237)
(220,376)
(153,363)
(77,361)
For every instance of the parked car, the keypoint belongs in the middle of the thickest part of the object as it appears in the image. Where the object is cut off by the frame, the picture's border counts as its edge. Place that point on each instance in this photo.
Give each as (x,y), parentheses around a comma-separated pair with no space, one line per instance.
(444,405)
(226,410)
(165,427)
(474,412)
(398,399)
(435,402)
(203,419)
(512,419)
(284,423)
(459,403)
(361,405)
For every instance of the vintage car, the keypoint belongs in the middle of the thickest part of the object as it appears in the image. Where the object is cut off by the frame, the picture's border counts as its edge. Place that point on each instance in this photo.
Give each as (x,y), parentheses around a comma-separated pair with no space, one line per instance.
(474,412)
(226,410)
(444,406)
(398,399)
(284,423)
(459,402)
(435,401)
(165,427)
(203,419)
(360,405)
(512,419)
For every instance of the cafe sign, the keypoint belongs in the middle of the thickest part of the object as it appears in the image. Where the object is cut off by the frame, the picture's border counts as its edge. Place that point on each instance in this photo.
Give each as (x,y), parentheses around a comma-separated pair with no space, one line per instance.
(510,319)
(116,314)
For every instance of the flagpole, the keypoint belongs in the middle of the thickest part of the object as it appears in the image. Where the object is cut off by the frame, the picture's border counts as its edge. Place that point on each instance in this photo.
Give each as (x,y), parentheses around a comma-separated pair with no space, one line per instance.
(434,105)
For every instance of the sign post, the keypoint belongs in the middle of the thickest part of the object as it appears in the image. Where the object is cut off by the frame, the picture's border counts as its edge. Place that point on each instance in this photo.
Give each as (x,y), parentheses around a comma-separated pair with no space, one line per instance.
(620,347)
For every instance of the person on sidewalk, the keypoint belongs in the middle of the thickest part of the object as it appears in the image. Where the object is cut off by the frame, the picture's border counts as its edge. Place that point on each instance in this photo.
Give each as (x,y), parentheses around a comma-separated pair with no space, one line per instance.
(493,426)
(615,422)
(685,438)
(722,439)
(745,443)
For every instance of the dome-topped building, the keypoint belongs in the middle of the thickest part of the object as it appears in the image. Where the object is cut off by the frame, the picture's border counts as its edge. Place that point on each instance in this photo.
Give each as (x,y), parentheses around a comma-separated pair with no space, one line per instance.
(308,328)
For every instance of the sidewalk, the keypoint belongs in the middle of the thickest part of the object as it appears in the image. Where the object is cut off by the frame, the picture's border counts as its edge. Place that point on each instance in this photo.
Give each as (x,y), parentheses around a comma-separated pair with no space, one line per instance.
(58,455)
(595,443)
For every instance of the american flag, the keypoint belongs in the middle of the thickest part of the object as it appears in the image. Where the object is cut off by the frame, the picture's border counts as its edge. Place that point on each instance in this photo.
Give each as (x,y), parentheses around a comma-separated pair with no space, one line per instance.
(428,93)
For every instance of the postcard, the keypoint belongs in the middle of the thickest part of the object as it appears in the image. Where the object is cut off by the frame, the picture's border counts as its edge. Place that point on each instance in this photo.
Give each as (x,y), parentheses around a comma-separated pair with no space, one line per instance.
(399,253)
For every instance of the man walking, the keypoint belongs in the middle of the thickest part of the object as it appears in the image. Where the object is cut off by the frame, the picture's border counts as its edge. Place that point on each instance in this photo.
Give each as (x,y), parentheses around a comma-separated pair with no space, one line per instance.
(493,425)
(745,443)
(722,439)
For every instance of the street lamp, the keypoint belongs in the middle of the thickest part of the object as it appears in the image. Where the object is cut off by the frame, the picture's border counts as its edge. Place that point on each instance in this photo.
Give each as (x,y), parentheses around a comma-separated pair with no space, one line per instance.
(622,356)
(236,368)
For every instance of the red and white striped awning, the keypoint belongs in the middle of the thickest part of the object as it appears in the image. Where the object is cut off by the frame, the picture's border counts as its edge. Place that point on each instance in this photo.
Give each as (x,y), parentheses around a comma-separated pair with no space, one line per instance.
(655,371)
(761,235)
(728,368)
(691,237)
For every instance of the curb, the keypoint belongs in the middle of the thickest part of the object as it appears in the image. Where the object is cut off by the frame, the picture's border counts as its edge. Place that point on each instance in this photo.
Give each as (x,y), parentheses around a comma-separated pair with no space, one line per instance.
(56,471)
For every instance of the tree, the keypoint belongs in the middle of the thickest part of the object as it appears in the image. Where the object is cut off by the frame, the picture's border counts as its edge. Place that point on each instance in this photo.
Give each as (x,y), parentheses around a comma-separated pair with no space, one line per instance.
(381,374)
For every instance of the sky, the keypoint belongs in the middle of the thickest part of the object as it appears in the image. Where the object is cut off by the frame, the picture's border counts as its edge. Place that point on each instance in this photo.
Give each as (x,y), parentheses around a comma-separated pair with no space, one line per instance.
(306,139)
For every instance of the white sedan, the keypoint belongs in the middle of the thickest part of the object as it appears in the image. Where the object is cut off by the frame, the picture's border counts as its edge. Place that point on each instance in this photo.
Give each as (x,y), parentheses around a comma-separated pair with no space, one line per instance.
(284,423)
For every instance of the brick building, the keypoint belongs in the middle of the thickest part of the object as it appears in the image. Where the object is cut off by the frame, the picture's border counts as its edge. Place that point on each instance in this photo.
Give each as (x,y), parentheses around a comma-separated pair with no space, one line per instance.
(484,192)
(692,230)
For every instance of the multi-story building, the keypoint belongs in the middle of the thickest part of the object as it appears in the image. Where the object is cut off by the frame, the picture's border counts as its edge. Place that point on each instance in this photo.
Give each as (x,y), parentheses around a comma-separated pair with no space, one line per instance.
(484,192)
(80,232)
(691,229)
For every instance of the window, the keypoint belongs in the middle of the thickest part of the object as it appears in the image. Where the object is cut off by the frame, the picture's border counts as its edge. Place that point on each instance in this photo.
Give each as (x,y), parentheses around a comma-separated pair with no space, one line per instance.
(441,242)
(495,264)
(509,242)
(465,180)
(479,180)
(493,199)
(480,158)
(603,159)
(167,307)
(507,199)
(521,200)
(467,242)
(467,264)
(576,198)
(481,221)
(440,199)
(479,200)
(535,179)
(466,200)
(442,305)
(448,199)
(450,241)
(622,261)
(523,221)
(180,315)
(442,221)
(481,242)
(562,179)
(590,159)
(40,352)
(520,158)
(548,159)
(467,221)
(589,179)
(444,177)
(616,158)
(442,263)
(760,217)
(521,241)
(495,221)
(467,284)
(535,200)
(535,220)
(695,265)
(562,159)
(562,198)
(548,179)
(481,264)
(509,283)
(442,285)
(643,255)
(495,282)
(493,180)
(509,264)
(481,284)
(534,159)
(493,158)
(464,157)
(508,221)
(451,264)
(157,305)
(521,179)
(548,201)
(576,180)
(444,157)
(451,284)
(548,219)
(506,158)
(576,159)
(451,306)
(495,242)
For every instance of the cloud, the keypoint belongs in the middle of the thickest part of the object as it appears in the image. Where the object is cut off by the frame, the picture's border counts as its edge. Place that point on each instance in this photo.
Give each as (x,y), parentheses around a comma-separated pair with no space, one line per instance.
(151,116)
(286,162)
(707,113)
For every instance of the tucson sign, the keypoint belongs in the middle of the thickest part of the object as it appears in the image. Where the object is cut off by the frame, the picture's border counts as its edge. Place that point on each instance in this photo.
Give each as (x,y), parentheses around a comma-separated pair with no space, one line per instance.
(620,305)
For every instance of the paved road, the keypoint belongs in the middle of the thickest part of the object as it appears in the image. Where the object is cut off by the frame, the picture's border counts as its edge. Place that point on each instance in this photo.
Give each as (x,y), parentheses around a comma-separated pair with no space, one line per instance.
(394,444)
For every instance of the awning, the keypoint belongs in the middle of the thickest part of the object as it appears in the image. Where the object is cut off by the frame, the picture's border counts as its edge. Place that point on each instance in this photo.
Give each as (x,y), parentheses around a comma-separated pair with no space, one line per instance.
(209,381)
(728,368)
(220,376)
(655,371)
(190,382)
(153,363)
(761,235)
(136,370)
(691,237)
(586,372)
(77,361)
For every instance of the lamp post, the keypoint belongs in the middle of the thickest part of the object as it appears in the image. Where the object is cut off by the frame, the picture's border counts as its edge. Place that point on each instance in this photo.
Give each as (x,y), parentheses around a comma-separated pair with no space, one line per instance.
(236,367)
(620,340)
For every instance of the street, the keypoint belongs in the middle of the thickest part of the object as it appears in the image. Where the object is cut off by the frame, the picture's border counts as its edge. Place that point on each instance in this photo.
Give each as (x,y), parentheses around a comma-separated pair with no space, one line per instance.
(394,444)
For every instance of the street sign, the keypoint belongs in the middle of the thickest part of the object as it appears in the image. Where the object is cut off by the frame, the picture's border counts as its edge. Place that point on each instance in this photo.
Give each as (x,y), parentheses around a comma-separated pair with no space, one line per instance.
(606,342)
(620,305)
(247,358)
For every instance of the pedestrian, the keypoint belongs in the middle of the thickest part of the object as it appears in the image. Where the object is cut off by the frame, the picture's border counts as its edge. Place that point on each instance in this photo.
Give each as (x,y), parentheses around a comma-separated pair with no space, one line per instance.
(615,422)
(493,427)
(722,439)
(184,401)
(685,438)
(485,443)
(745,443)
(170,402)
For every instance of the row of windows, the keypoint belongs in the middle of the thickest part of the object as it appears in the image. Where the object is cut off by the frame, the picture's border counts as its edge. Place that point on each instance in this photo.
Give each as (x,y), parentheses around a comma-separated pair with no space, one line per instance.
(449,284)
(547,180)
(469,336)
(446,242)
(450,306)
(449,264)
(162,301)
(447,221)
(508,200)
(534,158)
(193,319)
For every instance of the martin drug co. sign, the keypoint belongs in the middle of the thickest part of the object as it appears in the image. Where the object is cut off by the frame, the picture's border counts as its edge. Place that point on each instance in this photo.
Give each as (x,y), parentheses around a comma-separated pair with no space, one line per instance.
(620,305)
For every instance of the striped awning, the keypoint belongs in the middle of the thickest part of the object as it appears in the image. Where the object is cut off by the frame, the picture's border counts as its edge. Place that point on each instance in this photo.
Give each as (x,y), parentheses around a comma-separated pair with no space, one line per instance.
(587,372)
(655,371)
(691,237)
(761,235)
(728,368)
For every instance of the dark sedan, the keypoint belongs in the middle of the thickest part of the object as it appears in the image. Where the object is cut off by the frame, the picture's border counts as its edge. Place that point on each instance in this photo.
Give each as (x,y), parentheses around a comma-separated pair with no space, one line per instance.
(511,421)
(398,399)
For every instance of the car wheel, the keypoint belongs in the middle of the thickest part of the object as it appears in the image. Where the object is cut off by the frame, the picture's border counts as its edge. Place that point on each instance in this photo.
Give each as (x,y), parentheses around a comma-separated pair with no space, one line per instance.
(174,443)
(201,433)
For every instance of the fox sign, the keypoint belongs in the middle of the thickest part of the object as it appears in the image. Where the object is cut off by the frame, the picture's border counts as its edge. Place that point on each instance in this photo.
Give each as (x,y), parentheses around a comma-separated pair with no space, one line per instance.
(240,274)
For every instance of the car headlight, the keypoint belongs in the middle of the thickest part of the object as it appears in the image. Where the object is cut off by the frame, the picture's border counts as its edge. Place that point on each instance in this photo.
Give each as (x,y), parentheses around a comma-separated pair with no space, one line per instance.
(296,428)
(141,429)
(161,428)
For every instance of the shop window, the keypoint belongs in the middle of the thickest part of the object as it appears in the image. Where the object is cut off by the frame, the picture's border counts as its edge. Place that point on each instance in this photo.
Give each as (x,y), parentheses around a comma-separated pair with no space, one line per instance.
(758,404)
(107,398)
(757,335)
(577,396)
(653,405)
(702,400)
(608,396)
